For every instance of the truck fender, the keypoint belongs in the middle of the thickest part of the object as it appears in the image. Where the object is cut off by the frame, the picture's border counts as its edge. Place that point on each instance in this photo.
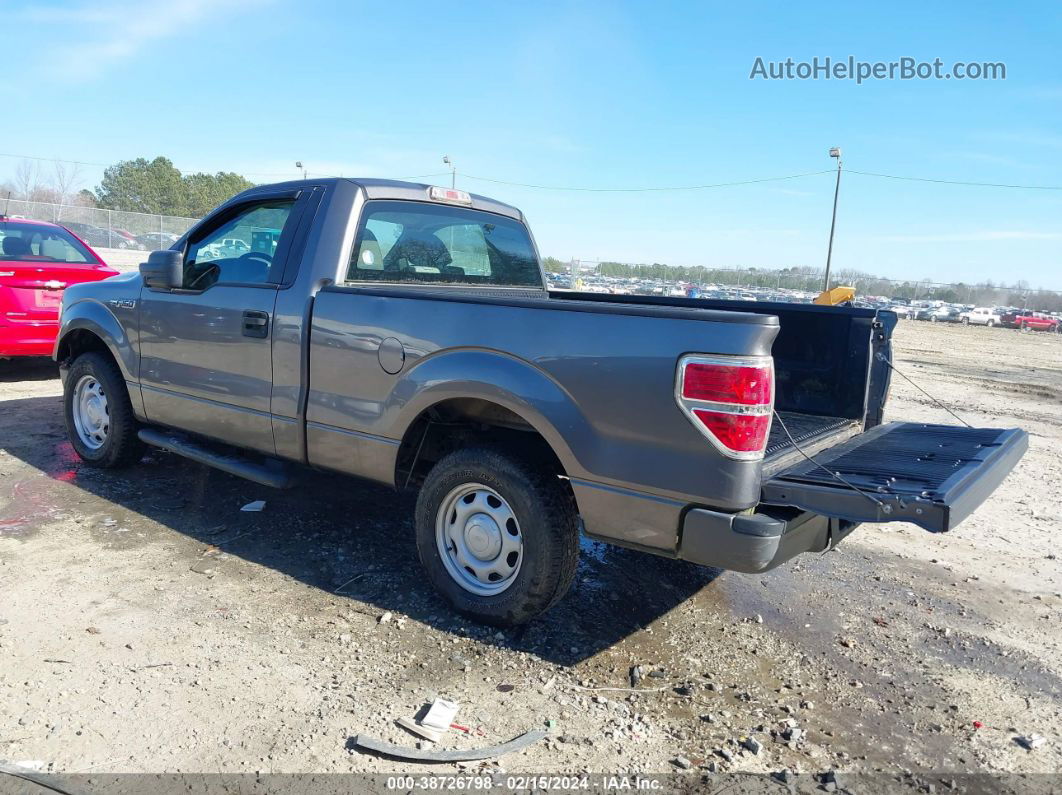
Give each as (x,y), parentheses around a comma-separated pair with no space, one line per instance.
(92,316)
(500,378)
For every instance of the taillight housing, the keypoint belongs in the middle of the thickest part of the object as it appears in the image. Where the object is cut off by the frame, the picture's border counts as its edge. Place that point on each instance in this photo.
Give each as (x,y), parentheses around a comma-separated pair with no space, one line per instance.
(729,399)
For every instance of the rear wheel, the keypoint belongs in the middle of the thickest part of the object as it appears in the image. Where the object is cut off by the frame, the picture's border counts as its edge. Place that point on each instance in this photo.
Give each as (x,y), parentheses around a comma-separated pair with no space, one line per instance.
(966,321)
(99,417)
(991,323)
(497,535)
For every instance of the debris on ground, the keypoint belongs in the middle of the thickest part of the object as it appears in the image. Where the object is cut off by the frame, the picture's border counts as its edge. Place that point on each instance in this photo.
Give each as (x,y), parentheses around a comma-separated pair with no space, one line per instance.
(253,507)
(469,755)
(440,714)
(636,674)
(436,719)
(752,745)
(1031,742)
(410,725)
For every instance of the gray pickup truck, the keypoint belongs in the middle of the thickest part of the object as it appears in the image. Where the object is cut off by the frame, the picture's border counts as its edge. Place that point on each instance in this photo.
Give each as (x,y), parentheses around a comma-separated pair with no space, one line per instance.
(402,333)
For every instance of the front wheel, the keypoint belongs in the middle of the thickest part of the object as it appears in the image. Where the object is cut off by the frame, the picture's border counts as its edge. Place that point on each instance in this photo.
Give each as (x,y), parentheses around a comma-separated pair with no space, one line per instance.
(497,535)
(966,321)
(99,417)
(991,324)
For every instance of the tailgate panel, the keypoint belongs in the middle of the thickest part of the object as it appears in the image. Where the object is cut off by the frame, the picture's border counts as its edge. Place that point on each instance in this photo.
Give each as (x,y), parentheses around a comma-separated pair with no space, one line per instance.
(931,475)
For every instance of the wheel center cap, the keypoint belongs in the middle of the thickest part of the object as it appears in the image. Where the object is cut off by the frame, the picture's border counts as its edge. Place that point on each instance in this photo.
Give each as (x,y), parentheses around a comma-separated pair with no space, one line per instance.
(483,537)
(95,412)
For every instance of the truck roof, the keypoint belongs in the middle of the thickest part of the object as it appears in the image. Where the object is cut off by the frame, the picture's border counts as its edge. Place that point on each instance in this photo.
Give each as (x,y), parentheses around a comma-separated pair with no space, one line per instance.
(376,188)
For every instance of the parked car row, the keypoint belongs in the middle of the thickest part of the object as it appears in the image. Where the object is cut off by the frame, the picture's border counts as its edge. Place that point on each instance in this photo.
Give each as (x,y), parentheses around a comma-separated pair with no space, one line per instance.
(1005,317)
(118,237)
(1026,320)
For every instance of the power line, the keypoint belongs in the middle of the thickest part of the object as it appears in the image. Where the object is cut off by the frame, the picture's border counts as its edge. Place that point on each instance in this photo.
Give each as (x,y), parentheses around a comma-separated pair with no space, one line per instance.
(246,173)
(644,189)
(53,160)
(105,165)
(768,179)
(954,182)
(647,189)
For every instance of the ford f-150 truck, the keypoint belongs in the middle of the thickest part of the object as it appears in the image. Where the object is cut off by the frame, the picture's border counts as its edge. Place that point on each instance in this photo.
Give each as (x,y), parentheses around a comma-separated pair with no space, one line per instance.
(402,333)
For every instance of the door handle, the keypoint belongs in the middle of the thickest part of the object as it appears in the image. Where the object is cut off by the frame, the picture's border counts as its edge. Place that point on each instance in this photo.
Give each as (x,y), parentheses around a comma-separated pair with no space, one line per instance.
(255,324)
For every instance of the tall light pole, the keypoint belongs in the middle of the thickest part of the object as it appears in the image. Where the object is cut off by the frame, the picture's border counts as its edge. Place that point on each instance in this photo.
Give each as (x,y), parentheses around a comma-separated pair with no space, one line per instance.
(453,170)
(835,151)
(298,164)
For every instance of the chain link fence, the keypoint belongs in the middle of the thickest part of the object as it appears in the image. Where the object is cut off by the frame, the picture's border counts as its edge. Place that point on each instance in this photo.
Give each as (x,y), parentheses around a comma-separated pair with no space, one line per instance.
(108,229)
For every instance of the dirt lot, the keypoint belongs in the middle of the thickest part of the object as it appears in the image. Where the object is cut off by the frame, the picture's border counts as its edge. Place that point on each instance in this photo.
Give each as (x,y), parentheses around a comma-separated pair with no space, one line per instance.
(146,624)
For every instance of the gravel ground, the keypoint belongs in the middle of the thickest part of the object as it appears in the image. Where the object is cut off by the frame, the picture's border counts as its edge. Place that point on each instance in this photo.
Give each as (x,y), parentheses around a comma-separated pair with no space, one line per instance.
(147,625)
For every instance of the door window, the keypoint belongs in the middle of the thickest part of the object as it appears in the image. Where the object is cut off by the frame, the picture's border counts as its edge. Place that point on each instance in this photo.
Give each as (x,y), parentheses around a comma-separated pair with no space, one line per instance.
(239,250)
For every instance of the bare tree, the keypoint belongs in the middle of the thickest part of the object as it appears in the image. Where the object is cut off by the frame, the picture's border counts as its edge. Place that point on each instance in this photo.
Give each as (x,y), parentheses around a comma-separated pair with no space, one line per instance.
(27,179)
(66,179)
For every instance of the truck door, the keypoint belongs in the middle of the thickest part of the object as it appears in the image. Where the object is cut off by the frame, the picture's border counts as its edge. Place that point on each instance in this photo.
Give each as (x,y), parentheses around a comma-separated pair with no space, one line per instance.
(205,348)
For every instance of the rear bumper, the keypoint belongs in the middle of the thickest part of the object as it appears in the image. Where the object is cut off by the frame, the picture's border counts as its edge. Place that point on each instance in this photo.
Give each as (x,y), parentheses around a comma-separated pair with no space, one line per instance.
(27,339)
(756,542)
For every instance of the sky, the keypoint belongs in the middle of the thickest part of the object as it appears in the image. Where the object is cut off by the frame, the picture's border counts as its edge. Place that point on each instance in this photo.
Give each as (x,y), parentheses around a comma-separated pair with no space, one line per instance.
(586,95)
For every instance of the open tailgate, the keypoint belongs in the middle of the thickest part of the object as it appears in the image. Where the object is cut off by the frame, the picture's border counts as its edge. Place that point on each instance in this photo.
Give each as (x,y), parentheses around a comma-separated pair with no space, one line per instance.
(932,475)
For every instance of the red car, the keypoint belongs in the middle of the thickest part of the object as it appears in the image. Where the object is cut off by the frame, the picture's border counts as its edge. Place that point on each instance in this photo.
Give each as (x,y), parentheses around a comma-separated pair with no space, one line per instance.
(37,262)
(1038,322)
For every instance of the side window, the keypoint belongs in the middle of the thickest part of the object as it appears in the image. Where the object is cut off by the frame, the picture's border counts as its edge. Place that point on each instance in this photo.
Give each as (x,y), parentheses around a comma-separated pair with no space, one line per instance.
(239,250)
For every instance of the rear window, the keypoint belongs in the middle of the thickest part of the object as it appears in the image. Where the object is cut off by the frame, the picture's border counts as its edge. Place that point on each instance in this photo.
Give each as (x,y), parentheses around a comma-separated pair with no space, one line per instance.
(39,243)
(412,242)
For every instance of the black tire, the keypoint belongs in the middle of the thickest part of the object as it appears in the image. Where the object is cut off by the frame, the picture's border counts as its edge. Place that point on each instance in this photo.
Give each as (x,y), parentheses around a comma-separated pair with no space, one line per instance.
(121,446)
(966,321)
(548,523)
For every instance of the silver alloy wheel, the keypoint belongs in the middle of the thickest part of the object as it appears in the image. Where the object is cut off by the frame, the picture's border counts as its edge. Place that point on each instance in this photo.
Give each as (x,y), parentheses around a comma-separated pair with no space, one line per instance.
(479,539)
(92,418)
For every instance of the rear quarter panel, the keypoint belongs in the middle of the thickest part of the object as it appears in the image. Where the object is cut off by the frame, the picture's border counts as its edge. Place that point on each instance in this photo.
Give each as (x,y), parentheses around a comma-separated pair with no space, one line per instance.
(597,383)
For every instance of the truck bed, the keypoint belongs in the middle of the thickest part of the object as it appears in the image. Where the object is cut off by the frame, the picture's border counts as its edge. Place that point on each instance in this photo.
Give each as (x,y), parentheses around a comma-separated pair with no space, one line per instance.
(811,432)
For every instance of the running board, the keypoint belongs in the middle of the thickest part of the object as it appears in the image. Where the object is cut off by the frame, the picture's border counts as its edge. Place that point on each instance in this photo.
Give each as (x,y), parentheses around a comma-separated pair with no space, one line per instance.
(274,473)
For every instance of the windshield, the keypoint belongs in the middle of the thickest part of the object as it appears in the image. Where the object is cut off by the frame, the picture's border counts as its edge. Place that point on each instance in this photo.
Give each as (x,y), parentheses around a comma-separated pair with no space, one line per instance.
(21,242)
(402,241)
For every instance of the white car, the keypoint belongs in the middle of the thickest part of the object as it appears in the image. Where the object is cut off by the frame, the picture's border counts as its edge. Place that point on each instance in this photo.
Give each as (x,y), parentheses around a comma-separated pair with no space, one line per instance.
(981,316)
(901,310)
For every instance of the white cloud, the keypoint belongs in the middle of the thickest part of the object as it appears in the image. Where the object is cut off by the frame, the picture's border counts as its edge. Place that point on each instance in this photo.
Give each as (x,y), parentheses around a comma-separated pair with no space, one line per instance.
(105,34)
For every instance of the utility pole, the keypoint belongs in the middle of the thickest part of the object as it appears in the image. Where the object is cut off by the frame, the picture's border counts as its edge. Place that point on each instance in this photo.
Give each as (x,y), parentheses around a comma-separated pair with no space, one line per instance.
(834,152)
(453,170)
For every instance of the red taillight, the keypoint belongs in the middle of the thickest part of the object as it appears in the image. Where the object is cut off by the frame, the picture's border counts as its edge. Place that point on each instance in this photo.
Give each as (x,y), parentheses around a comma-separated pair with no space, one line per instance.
(730,400)
(746,386)
(742,433)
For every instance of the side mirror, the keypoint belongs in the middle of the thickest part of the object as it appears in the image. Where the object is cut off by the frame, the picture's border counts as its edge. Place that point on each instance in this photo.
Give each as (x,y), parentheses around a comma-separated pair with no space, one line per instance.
(164,270)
